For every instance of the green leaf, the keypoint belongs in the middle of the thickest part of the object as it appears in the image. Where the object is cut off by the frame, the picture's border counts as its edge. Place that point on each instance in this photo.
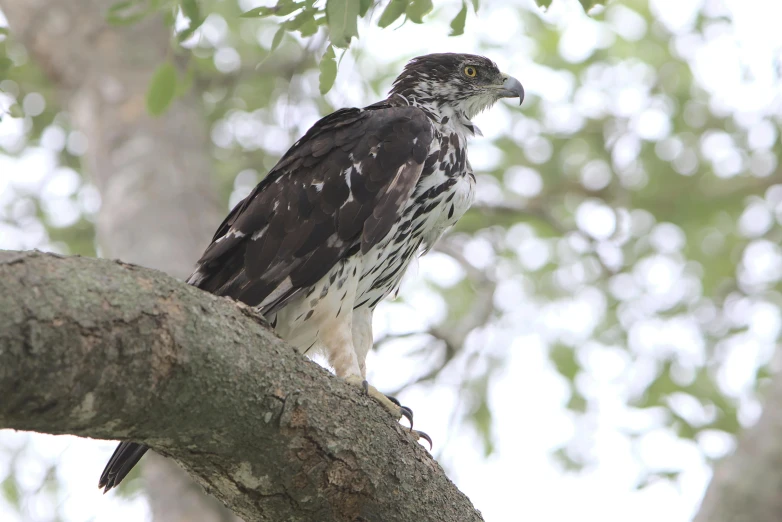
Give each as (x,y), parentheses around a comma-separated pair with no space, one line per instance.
(393,10)
(457,24)
(309,27)
(277,38)
(417,9)
(119,7)
(3,31)
(286,7)
(562,456)
(258,12)
(192,11)
(328,70)
(565,361)
(342,16)
(184,35)
(10,491)
(543,4)
(305,23)
(654,477)
(169,17)
(482,419)
(297,21)
(476,4)
(589,4)
(577,402)
(283,8)
(15,110)
(365,5)
(162,89)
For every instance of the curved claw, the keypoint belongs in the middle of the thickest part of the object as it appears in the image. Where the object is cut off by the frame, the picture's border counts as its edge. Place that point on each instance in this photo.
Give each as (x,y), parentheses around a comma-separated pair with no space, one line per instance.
(393,399)
(421,435)
(407,413)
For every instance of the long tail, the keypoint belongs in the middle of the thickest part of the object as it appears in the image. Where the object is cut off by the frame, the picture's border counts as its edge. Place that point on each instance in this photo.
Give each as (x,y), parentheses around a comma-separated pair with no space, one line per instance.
(121,462)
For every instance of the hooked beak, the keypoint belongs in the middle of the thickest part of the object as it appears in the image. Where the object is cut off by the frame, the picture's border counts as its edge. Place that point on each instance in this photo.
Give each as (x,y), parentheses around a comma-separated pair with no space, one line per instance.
(512,88)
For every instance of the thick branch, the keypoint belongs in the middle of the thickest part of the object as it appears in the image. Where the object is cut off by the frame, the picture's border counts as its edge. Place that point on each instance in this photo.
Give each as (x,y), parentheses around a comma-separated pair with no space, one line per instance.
(102,349)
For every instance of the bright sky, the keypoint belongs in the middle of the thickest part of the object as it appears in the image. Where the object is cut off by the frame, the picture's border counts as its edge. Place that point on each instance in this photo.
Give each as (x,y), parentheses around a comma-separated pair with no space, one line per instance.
(520,481)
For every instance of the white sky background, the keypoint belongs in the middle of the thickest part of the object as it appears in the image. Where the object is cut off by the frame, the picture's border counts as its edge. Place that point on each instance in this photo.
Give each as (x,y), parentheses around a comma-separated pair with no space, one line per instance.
(519,481)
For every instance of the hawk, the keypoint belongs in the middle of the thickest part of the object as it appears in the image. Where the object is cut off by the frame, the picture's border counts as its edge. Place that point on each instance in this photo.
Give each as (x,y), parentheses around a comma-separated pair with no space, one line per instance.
(329,232)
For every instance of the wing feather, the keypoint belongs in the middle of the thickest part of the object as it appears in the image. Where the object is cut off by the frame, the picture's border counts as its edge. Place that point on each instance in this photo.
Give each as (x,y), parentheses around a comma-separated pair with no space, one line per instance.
(339,189)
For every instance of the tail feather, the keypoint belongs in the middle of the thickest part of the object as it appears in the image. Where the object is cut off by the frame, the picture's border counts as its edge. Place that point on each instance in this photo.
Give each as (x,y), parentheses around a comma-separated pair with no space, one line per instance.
(121,462)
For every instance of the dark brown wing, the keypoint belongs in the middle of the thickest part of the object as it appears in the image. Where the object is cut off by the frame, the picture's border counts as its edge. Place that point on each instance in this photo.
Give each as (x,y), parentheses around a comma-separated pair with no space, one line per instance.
(338,190)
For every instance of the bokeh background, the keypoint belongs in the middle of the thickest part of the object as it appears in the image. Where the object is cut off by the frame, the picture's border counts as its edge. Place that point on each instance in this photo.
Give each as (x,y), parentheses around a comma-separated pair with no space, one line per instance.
(590,338)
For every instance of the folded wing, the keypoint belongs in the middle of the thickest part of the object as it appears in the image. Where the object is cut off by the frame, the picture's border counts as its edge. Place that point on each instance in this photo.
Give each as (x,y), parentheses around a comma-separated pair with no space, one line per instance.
(336,192)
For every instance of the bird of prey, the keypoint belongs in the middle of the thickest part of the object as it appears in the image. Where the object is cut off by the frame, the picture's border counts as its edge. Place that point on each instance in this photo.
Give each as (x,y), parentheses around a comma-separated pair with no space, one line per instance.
(329,232)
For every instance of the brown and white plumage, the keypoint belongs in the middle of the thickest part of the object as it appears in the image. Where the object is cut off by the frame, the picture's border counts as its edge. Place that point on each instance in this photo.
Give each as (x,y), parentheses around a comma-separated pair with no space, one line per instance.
(329,232)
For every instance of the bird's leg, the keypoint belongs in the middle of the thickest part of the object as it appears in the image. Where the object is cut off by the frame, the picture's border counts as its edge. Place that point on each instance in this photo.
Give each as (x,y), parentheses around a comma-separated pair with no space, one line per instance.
(389,403)
(343,358)
(348,358)
(362,343)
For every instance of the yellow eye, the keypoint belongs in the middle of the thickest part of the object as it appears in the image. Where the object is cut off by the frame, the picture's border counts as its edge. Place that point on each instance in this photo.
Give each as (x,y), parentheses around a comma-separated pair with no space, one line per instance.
(470,71)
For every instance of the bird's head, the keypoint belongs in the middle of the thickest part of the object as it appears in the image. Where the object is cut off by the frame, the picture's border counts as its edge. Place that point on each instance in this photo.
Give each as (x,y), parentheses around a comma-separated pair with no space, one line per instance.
(465,83)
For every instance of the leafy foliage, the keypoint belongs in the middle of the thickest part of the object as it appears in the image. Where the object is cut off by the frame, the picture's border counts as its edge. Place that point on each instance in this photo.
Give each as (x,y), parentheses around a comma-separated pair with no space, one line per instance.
(393,10)
(342,20)
(305,17)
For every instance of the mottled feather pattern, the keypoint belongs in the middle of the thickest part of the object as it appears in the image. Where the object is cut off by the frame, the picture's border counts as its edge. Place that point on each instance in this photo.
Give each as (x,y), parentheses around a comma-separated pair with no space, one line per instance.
(383,181)
(360,195)
(319,204)
(330,231)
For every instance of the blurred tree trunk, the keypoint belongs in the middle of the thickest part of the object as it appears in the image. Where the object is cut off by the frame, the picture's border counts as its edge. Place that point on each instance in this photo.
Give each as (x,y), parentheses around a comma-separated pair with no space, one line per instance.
(159,206)
(747,486)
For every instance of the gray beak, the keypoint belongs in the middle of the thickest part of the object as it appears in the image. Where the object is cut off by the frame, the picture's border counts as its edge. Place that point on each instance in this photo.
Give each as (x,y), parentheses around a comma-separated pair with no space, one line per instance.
(512,89)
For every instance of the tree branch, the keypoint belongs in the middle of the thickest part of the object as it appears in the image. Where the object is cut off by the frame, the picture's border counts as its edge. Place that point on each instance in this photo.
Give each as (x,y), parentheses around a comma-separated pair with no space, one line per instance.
(103,349)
